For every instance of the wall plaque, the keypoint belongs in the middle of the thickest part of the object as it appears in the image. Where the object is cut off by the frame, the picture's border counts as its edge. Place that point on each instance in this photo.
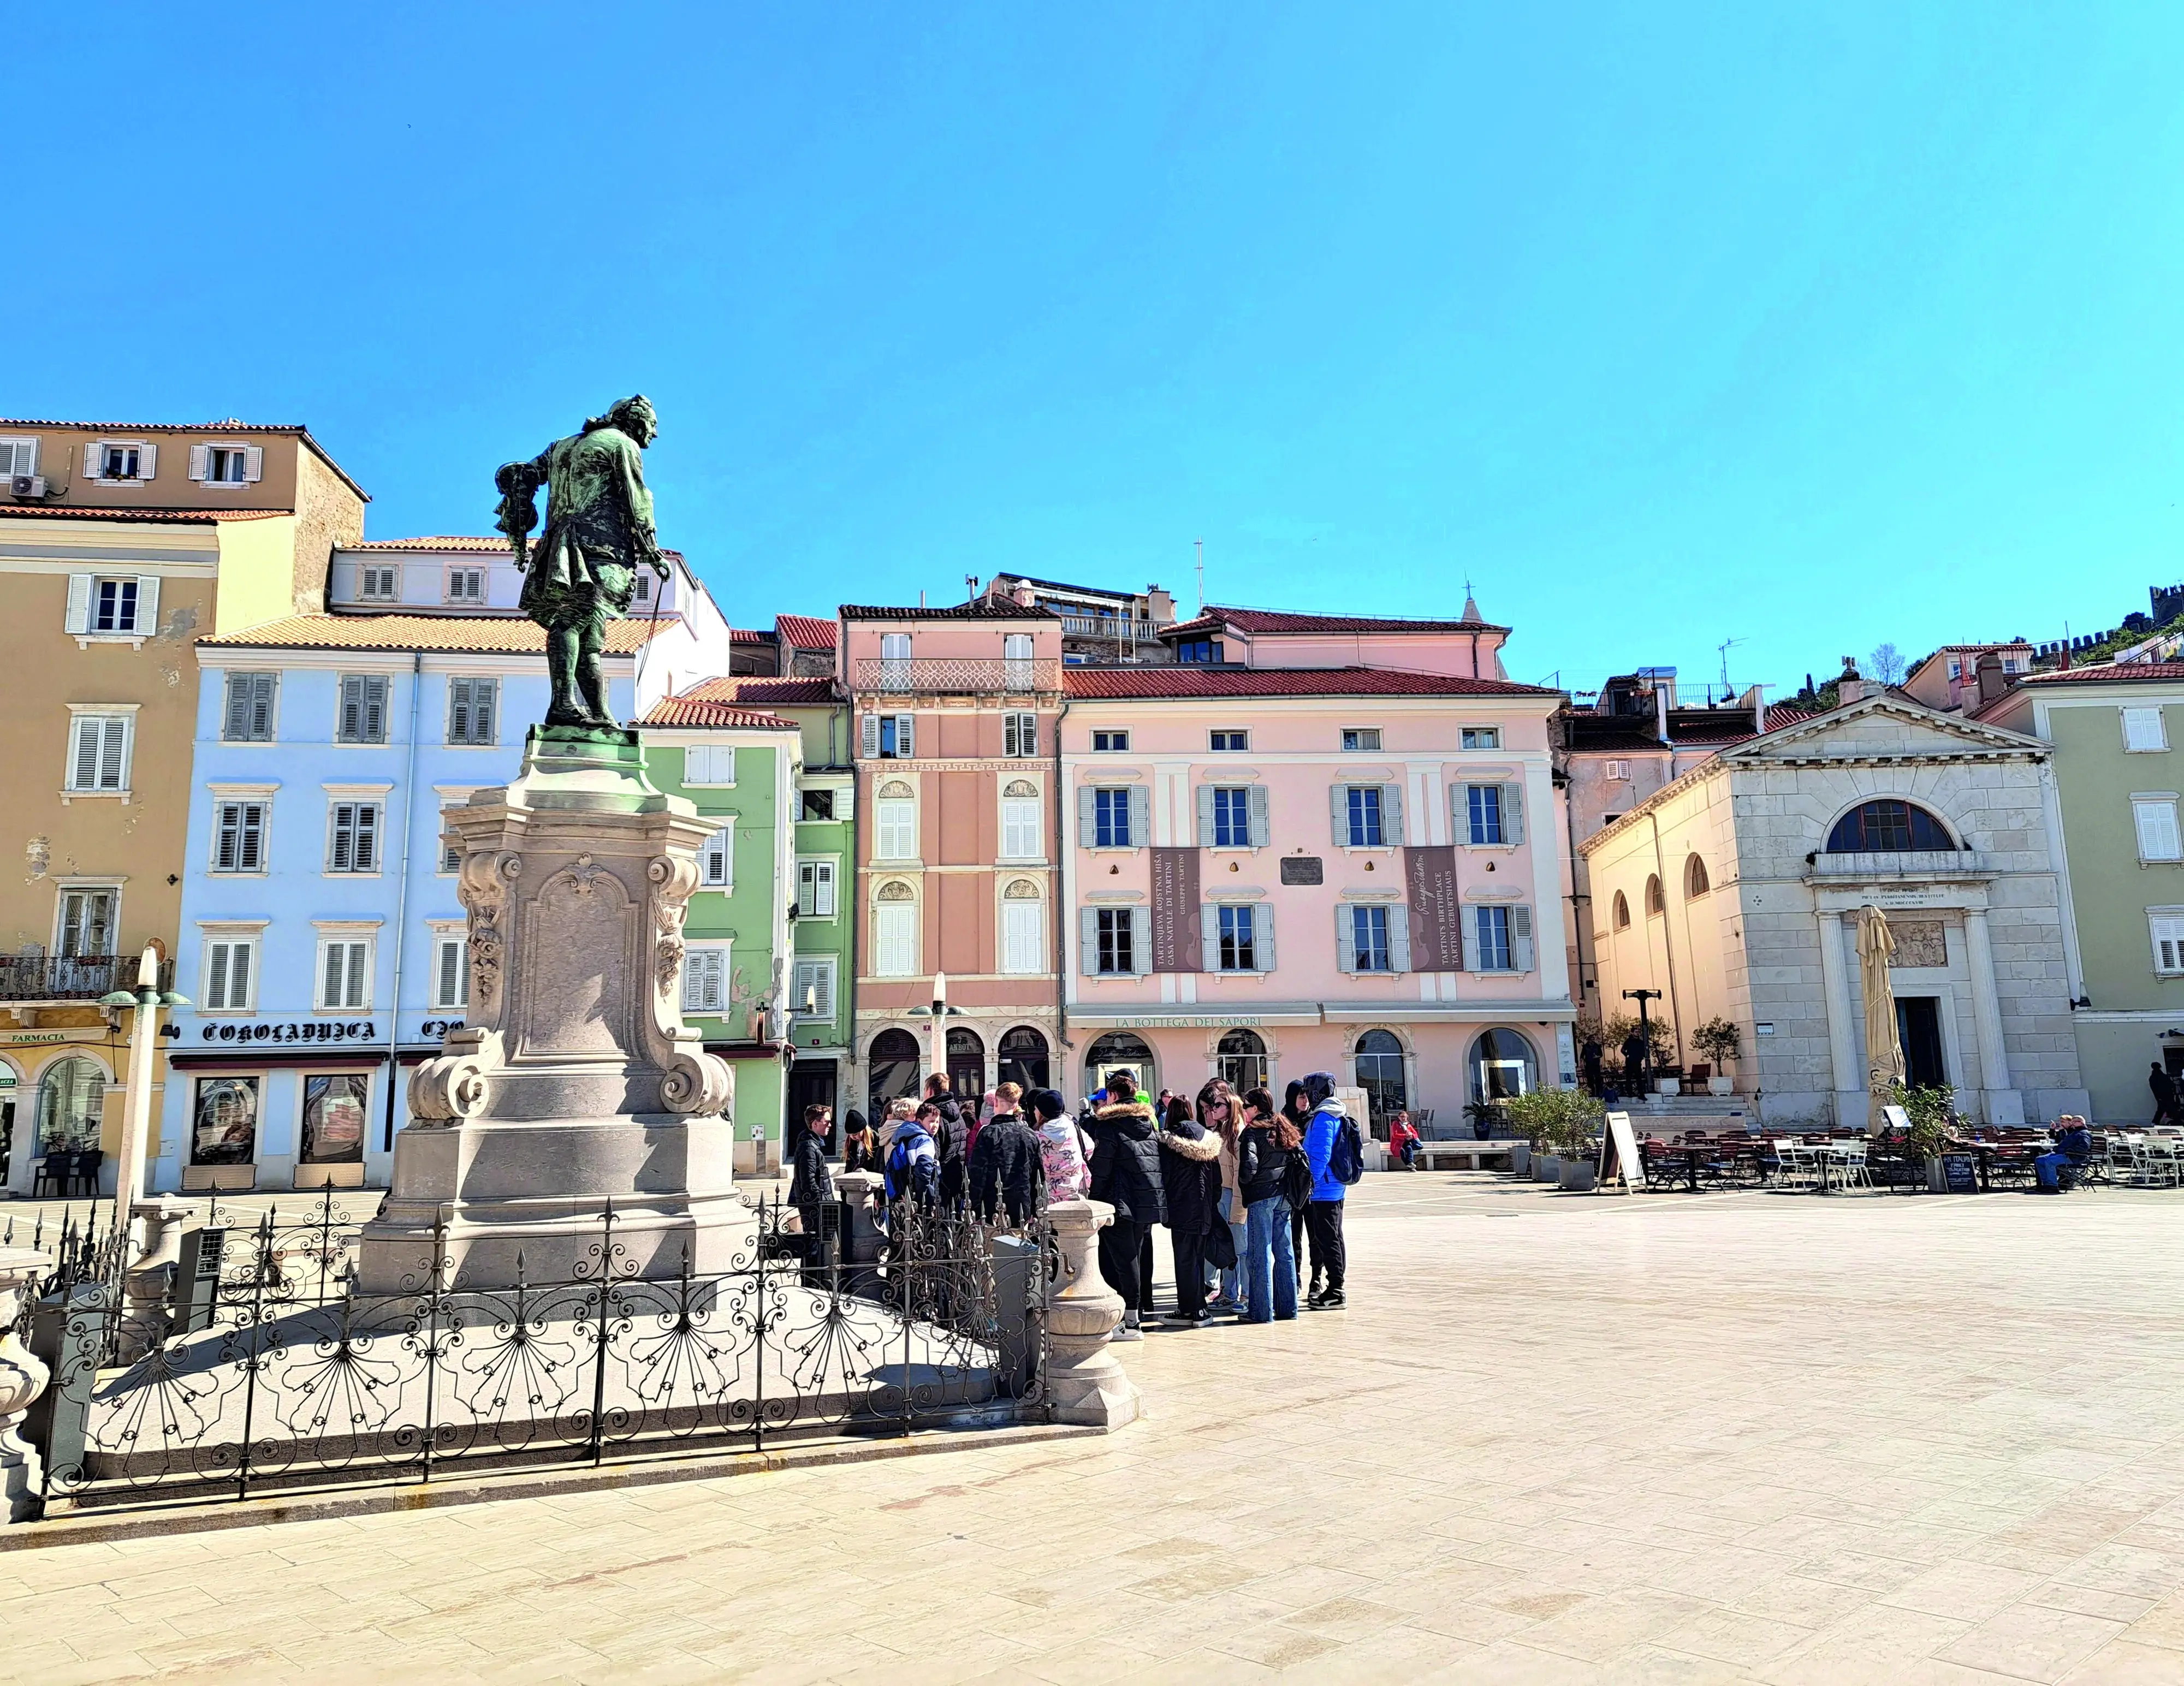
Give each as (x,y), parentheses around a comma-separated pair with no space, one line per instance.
(1919,943)
(1436,915)
(1176,931)
(1303,869)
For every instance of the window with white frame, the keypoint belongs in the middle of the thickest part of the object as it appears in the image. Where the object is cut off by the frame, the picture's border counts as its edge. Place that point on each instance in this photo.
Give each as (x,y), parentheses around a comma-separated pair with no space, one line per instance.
(1368,815)
(1489,815)
(1113,817)
(466,585)
(1017,667)
(816,805)
(344,974)
(1481,738)
(112,606)
(811,992)
(705,978)
(708,764)
(451,971)
(238,834)
(473,710)
(1232,816)
(1116,942)
(815,889)
(895,819)
(230,982)
(2155,818)
(894,932)
(1615,770)
(1229,742)
(379,582)
(2167,929)
(1362,737)
(1019,734)
(2144,730)
(1023,929)
(1110,743)
(353,836)
(640,590)
(716,861)
(361,716)
(887,738)
(18,456)
(1371,936)
(99,752)
(1497,938)
(1020,826)
(230,462)
(122,459)
(247,717)
(85,921)
(1238,937)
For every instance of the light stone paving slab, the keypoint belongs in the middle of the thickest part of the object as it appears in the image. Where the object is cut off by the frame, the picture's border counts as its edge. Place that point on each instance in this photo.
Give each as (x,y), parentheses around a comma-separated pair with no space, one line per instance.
(1739,1437)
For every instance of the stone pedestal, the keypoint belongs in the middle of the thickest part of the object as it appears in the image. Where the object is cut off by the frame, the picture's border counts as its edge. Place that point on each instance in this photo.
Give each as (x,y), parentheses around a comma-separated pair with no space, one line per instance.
(155,1242)
(574,1083)
(22,1379)
(1084,1378)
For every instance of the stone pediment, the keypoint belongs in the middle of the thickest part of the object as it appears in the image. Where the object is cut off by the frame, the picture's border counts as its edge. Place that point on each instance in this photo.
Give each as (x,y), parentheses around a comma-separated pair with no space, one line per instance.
(1888,727)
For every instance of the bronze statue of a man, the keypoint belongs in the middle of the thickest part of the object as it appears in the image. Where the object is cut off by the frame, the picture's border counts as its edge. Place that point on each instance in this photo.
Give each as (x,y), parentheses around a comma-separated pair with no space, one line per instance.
(599,532)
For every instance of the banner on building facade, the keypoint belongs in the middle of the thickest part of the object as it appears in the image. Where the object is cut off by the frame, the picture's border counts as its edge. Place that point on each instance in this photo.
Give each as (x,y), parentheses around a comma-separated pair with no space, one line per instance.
(1436,912)
(1175,910)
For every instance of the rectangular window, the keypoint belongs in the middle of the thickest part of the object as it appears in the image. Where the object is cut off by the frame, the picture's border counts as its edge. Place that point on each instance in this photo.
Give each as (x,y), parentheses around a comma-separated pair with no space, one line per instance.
(706,980)
(248,717)
(238,836)
(815,889)
(1116,932)
(1616,769)
(336,1108)
(1020,828)
(1198,650)
(1232,817)
(1223,742)
(1017,665)
(1482,806)
(1023,937)
(473,709)
(466,585)
(1019,734)
(114,606)
(224,1128)
(1238,948)
(344,974)
(352,837)
(1364,737)
(2143,730)
(888,738)
(2157,838)
(817,804)
(716,861)
(1482,738)
(99,752)
(119,461)
(640,589)
(380,583)
(897,827)
(2168,943)
(894,661)
(895,939)
(1110,819)
(362,718)
(1492,924)
(87,924)
(1366,827)
(230,973)
(451,973)
(1110,743)
(1368,938)
(709,763)
(18,456)
(227,465)
(811,992)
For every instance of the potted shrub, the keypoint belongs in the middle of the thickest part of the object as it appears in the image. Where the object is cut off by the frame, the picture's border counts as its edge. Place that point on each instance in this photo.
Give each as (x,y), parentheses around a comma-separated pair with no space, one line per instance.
(1720,1041)
(1933,1115)
(1567,1122)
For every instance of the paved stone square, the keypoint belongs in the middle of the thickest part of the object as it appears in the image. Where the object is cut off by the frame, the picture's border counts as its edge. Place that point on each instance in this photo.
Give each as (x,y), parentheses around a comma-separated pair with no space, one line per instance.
(1738,1437)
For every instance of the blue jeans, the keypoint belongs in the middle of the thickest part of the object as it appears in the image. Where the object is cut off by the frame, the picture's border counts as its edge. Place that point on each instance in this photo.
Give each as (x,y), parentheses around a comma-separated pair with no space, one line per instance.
(1270,1266)
(2047,1168)
(1232,1281)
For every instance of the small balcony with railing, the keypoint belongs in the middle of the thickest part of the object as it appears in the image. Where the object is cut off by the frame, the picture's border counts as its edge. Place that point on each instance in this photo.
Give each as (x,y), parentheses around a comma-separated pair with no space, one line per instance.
(68,980)
(957,677)
(1848,866)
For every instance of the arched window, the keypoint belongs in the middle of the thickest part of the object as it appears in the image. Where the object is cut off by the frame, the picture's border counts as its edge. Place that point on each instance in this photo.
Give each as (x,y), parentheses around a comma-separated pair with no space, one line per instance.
(1622,911)
(967,1063)
(891,1071)
(1887,826)
(1502,1064)
(1119,1051)
(1696,882)
(1241,1058)
(1380,1073)
(895,931)
(1023,1058)
(1653,902)
(71,1098)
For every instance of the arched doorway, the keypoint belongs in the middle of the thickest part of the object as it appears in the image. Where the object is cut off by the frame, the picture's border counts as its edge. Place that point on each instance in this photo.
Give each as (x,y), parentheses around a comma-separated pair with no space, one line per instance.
(1380,1073)
(1240,1058)
(1023,1059)
(967,1063)
(1502,1064)
(71,1100)
(890,1071)
(1119,1051)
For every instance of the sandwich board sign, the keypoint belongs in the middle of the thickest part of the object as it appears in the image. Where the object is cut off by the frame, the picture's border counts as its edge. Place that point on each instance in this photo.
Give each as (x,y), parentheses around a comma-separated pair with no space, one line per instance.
(1618,1153)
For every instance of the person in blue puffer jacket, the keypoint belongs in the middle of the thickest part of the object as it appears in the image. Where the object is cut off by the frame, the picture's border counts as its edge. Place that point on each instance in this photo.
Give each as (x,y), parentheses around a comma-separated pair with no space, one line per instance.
(1323,1218)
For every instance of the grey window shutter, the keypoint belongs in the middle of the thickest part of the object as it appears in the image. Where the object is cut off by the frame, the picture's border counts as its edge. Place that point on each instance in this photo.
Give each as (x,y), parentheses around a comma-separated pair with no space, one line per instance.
(868,737)
(86,765)
(1512,813)
(458,711)
(1263,935)
(1088,816)
(237,727)
(1141,817)
(375,709)
(148,600)
(1261,827)
(1088,941)
(1209,937)
(112,752)
(1205,816)
(351,724)
(230,826)
(1392,813)
(906,736)
(1338,805)
(484,694)
(1141,941)
(450,958)
(251,852)
(216,975)
(1398,937)
(1471,940)
(1346,937)
(79,599)
(261,705)
(1520,938)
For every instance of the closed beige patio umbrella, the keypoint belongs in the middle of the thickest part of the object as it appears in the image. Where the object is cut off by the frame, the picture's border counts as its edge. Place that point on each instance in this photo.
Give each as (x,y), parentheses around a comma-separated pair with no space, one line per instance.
(1884,1048)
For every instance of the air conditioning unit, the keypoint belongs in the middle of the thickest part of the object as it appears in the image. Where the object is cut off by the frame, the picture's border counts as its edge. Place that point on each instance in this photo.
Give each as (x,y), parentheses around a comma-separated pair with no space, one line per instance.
(29,485)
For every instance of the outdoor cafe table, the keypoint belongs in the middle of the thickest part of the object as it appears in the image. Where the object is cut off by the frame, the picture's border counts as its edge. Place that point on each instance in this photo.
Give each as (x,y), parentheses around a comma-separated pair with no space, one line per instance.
(1694,1154)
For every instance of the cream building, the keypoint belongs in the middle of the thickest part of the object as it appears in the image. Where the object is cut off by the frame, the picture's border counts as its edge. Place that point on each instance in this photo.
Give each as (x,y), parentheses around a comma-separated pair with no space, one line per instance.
(1734,891)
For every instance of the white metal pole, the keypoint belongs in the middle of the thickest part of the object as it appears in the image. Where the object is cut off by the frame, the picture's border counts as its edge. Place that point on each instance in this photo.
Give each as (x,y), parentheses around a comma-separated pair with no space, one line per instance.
(129,1175)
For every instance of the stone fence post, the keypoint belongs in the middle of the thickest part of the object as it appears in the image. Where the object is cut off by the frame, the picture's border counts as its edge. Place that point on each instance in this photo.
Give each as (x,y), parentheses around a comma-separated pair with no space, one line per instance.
(22,1379)
(1084,1378)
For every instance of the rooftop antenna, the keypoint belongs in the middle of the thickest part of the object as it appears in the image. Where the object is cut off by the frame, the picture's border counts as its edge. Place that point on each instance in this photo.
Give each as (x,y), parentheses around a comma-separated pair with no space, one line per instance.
(970,584)
(1723,649)
(1201,543)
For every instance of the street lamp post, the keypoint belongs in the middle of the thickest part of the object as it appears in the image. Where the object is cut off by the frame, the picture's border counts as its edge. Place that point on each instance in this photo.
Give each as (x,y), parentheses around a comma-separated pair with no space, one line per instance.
(146,1001)
(939,1017)
(1645,1033)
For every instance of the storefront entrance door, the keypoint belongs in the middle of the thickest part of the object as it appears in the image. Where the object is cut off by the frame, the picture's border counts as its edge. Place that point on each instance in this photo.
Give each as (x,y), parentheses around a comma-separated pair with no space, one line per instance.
(1919,1026)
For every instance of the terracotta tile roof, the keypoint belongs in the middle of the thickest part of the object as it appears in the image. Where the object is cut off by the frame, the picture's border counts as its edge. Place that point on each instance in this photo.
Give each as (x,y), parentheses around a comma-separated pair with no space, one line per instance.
(1779,715)
(745,635)
(2114,673)
(484,634)
(465,542)
(806,632)
(764,691)
(1254,621)
(981,610)
(690,710)
(203,517)
(1191,680)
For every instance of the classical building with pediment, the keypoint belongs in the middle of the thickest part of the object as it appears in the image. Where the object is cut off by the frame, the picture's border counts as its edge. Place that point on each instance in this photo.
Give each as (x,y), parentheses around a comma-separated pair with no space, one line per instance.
(1734,889)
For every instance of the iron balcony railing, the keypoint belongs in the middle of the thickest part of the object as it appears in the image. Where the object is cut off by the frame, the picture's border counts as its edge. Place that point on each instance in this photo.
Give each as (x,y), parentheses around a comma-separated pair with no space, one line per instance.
(80,977)
(952,675)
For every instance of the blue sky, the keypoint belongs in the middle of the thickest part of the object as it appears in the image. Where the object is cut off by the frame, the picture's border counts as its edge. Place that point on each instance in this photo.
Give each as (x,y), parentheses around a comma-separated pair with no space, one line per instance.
(1664,324)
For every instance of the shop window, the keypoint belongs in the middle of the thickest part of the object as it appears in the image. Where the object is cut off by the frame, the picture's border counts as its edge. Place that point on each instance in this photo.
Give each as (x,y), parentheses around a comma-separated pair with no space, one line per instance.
(334,1113)
(224,1127)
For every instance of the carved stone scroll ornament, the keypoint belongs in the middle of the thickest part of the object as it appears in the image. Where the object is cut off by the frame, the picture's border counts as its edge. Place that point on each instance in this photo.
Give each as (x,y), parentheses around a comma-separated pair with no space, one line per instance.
(458,1083)
(698,1083)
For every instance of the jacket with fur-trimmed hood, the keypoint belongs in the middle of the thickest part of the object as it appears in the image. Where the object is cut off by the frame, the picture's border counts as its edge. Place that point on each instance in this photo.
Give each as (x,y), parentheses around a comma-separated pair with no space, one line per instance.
(1126,1170)
(1190,1178)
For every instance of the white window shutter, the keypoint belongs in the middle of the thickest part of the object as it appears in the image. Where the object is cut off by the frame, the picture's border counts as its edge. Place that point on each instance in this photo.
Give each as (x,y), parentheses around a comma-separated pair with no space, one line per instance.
(1263,935)
(147,460)
(1392,813)
(1512,813)
(1346,937)
(200,465)
(1088,941)
(114,755)
(79,604)
(148,604)
(1471,940)
(1399,939)
(868,737)
(1209,937)
(1205,816)
(1262,831)
(1141,941)
(83,760)
(91,463)
(1520,938)
(1338,805)
(1088,816)
(1141,817)
(906,736)
(451,960)
(253,463)
(240,956)
(1029,735)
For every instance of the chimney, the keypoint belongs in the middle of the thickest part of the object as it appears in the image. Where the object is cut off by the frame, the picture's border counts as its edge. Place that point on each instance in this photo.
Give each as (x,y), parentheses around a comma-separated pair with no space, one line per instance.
(1991,682)
(1160,606)
(1026,598)
(1849,688)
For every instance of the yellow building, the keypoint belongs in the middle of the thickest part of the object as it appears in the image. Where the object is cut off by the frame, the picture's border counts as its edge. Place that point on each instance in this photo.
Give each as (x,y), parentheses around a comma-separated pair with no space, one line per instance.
(120,546)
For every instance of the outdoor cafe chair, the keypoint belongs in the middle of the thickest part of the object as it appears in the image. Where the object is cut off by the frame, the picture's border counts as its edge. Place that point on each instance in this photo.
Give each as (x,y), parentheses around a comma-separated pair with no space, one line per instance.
(1794,1165)
(2164,1165)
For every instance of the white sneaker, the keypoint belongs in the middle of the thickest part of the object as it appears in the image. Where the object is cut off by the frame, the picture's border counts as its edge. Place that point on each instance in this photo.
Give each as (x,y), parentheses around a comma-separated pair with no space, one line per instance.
(1128,1332)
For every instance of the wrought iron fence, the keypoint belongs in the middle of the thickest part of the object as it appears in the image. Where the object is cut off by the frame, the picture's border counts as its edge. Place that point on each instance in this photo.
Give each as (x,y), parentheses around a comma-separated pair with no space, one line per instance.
(259,1367)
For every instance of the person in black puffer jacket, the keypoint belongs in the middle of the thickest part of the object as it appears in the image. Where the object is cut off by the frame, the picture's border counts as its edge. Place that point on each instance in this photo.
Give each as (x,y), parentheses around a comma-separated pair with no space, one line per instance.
(951,1140)
(1190,1186)
(1262,1154)
(813,1188)
(1126,1174)
(1007,1172)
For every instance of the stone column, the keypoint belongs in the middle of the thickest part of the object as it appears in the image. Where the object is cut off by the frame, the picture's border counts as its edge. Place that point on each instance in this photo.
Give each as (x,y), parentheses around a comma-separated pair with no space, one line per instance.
(2004,1105)
(1842,1018)
(156,1246)
(22,1379)
(1084,1378)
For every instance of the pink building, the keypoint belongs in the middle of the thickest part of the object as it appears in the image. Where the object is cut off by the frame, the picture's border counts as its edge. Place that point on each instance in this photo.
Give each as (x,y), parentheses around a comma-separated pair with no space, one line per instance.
(1332,846)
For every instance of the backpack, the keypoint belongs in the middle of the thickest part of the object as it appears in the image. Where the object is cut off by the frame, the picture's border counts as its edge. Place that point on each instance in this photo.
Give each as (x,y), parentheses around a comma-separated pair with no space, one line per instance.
(1346,1157)
(1296,1180)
